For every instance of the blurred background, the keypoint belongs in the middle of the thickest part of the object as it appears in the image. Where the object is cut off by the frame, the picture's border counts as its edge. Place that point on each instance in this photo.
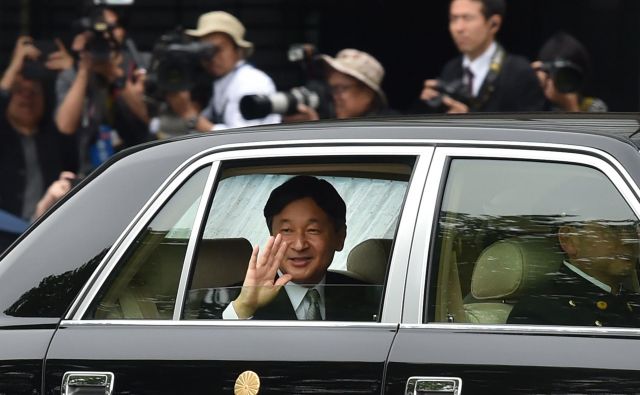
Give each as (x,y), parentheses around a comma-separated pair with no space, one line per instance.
(410,38)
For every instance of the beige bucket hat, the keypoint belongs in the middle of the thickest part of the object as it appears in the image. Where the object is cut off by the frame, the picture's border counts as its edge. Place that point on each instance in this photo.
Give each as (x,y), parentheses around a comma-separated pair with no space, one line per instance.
(361,66)
(222,22)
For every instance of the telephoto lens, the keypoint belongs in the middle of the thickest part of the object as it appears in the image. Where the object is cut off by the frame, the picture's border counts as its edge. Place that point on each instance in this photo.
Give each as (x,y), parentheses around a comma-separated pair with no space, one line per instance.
(259,106)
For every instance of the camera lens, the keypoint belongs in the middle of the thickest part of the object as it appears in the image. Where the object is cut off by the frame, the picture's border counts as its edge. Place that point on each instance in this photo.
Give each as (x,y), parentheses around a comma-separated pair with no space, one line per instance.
(255,106)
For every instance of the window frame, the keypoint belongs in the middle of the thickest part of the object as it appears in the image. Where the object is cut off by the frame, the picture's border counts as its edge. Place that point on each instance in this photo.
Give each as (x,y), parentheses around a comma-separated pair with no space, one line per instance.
(394,295)
(422,251)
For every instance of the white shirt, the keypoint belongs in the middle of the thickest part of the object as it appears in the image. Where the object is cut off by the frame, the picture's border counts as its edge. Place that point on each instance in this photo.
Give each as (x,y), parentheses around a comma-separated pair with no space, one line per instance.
(479,67)
(296,294)
(243,80)
(587,277)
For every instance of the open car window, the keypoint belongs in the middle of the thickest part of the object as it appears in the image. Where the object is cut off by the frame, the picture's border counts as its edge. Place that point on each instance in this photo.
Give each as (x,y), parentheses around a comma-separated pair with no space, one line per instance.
(144,284)
(373,190)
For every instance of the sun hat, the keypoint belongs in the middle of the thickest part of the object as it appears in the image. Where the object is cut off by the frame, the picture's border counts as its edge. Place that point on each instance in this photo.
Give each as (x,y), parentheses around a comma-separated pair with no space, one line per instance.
(222,22)
(361,66)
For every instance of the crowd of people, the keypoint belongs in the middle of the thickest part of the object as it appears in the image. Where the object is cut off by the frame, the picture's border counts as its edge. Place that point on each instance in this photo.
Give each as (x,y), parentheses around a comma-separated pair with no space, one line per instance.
(64,112)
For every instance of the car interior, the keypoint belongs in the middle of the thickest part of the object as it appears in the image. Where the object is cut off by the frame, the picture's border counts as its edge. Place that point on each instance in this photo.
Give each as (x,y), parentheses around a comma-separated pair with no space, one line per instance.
(481,275)
(144,286)
(497,239)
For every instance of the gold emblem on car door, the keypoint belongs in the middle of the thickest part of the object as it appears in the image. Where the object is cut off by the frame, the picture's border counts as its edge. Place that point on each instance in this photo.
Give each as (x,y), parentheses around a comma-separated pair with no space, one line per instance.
(247,383)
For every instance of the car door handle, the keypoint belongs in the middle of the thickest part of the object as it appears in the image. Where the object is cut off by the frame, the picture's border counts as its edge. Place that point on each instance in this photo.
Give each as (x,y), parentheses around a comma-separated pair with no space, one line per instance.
(94,383)
(433,385)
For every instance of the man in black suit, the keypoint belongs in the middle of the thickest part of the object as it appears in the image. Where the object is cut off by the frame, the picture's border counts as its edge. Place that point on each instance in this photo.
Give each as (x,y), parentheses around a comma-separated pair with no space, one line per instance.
(485,78)
(589,288)
(288,279)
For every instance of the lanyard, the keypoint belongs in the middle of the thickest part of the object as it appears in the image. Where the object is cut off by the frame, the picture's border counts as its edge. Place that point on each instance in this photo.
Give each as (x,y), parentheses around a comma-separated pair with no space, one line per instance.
(489,84)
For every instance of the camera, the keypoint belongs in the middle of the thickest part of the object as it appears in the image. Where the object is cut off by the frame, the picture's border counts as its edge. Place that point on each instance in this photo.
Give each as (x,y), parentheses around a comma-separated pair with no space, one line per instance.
(456,89)
(313,91)
(36,69)
(101,41)
(176,63)
(567,76)
(314,94)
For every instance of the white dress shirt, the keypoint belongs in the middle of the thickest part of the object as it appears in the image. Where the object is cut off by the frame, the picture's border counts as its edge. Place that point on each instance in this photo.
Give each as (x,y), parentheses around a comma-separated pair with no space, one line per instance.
(243,80)
(479,67)
(296,294)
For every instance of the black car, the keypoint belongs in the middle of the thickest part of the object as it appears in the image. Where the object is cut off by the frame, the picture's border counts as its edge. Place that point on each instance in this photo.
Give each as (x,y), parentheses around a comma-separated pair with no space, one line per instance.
(457,225)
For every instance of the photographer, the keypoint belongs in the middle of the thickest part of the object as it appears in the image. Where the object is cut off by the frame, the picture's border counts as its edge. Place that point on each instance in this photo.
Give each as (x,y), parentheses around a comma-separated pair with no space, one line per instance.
(234,77)
(33,153)
(101,101)
(486,77)
(562,68)
(354,78)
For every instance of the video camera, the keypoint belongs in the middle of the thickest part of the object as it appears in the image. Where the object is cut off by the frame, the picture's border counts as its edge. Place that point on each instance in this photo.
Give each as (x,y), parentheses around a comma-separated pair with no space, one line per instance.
(567,76)
(176,63)
(456,89)
(315,92)
(101,40)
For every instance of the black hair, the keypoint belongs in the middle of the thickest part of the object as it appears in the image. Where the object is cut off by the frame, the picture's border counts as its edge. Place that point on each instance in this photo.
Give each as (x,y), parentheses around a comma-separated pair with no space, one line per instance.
(300,187)
(492,7)
(121,17)
(563,46)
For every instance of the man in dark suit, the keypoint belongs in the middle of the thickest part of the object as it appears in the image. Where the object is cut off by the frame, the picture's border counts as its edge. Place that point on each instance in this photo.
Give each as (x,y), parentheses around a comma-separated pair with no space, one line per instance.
(288,279)
(485,78)
(589,288)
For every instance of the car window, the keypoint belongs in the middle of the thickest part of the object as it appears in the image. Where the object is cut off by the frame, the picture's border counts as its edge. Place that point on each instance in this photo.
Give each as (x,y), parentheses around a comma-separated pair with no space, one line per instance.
(145,282)
(531,242)
(373,190)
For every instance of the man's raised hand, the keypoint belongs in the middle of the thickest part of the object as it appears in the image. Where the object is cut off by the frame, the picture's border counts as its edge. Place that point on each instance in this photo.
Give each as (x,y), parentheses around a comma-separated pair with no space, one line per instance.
(260,286)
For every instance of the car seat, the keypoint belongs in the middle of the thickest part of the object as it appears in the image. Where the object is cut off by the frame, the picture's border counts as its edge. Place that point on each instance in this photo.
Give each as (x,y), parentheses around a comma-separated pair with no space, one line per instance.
(505,271)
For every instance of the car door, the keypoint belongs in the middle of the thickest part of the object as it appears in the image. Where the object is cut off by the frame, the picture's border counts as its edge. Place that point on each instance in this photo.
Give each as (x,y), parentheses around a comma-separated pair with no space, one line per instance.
(491,243)
(149,322)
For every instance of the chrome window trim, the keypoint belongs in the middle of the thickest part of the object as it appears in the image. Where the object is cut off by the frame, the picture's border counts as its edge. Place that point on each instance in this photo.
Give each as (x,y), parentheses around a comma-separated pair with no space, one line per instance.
(157,199)
(408,143)
(526,329)
(231,323)
(107,265)
(417,269)
(397,278)
(418,265)
(193,239)
(336,149)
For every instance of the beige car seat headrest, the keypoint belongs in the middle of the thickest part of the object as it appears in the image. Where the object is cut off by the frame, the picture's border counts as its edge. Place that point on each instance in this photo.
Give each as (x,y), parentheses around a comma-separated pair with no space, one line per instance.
(369,260)
(509,268)
(221,262)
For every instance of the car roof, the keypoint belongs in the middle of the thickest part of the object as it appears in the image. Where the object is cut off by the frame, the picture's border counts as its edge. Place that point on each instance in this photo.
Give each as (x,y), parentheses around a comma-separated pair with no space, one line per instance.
(547,127)
(620,125)
(613,133)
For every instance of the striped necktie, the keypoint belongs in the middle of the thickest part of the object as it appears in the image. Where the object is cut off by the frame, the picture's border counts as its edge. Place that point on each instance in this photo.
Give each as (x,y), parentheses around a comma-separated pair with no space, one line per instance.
(313,302)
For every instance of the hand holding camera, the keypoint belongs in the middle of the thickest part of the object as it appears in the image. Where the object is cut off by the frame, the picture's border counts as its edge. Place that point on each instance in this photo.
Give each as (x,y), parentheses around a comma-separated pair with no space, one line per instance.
(430,90)
(442,96)
(60,59)
(25,49)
